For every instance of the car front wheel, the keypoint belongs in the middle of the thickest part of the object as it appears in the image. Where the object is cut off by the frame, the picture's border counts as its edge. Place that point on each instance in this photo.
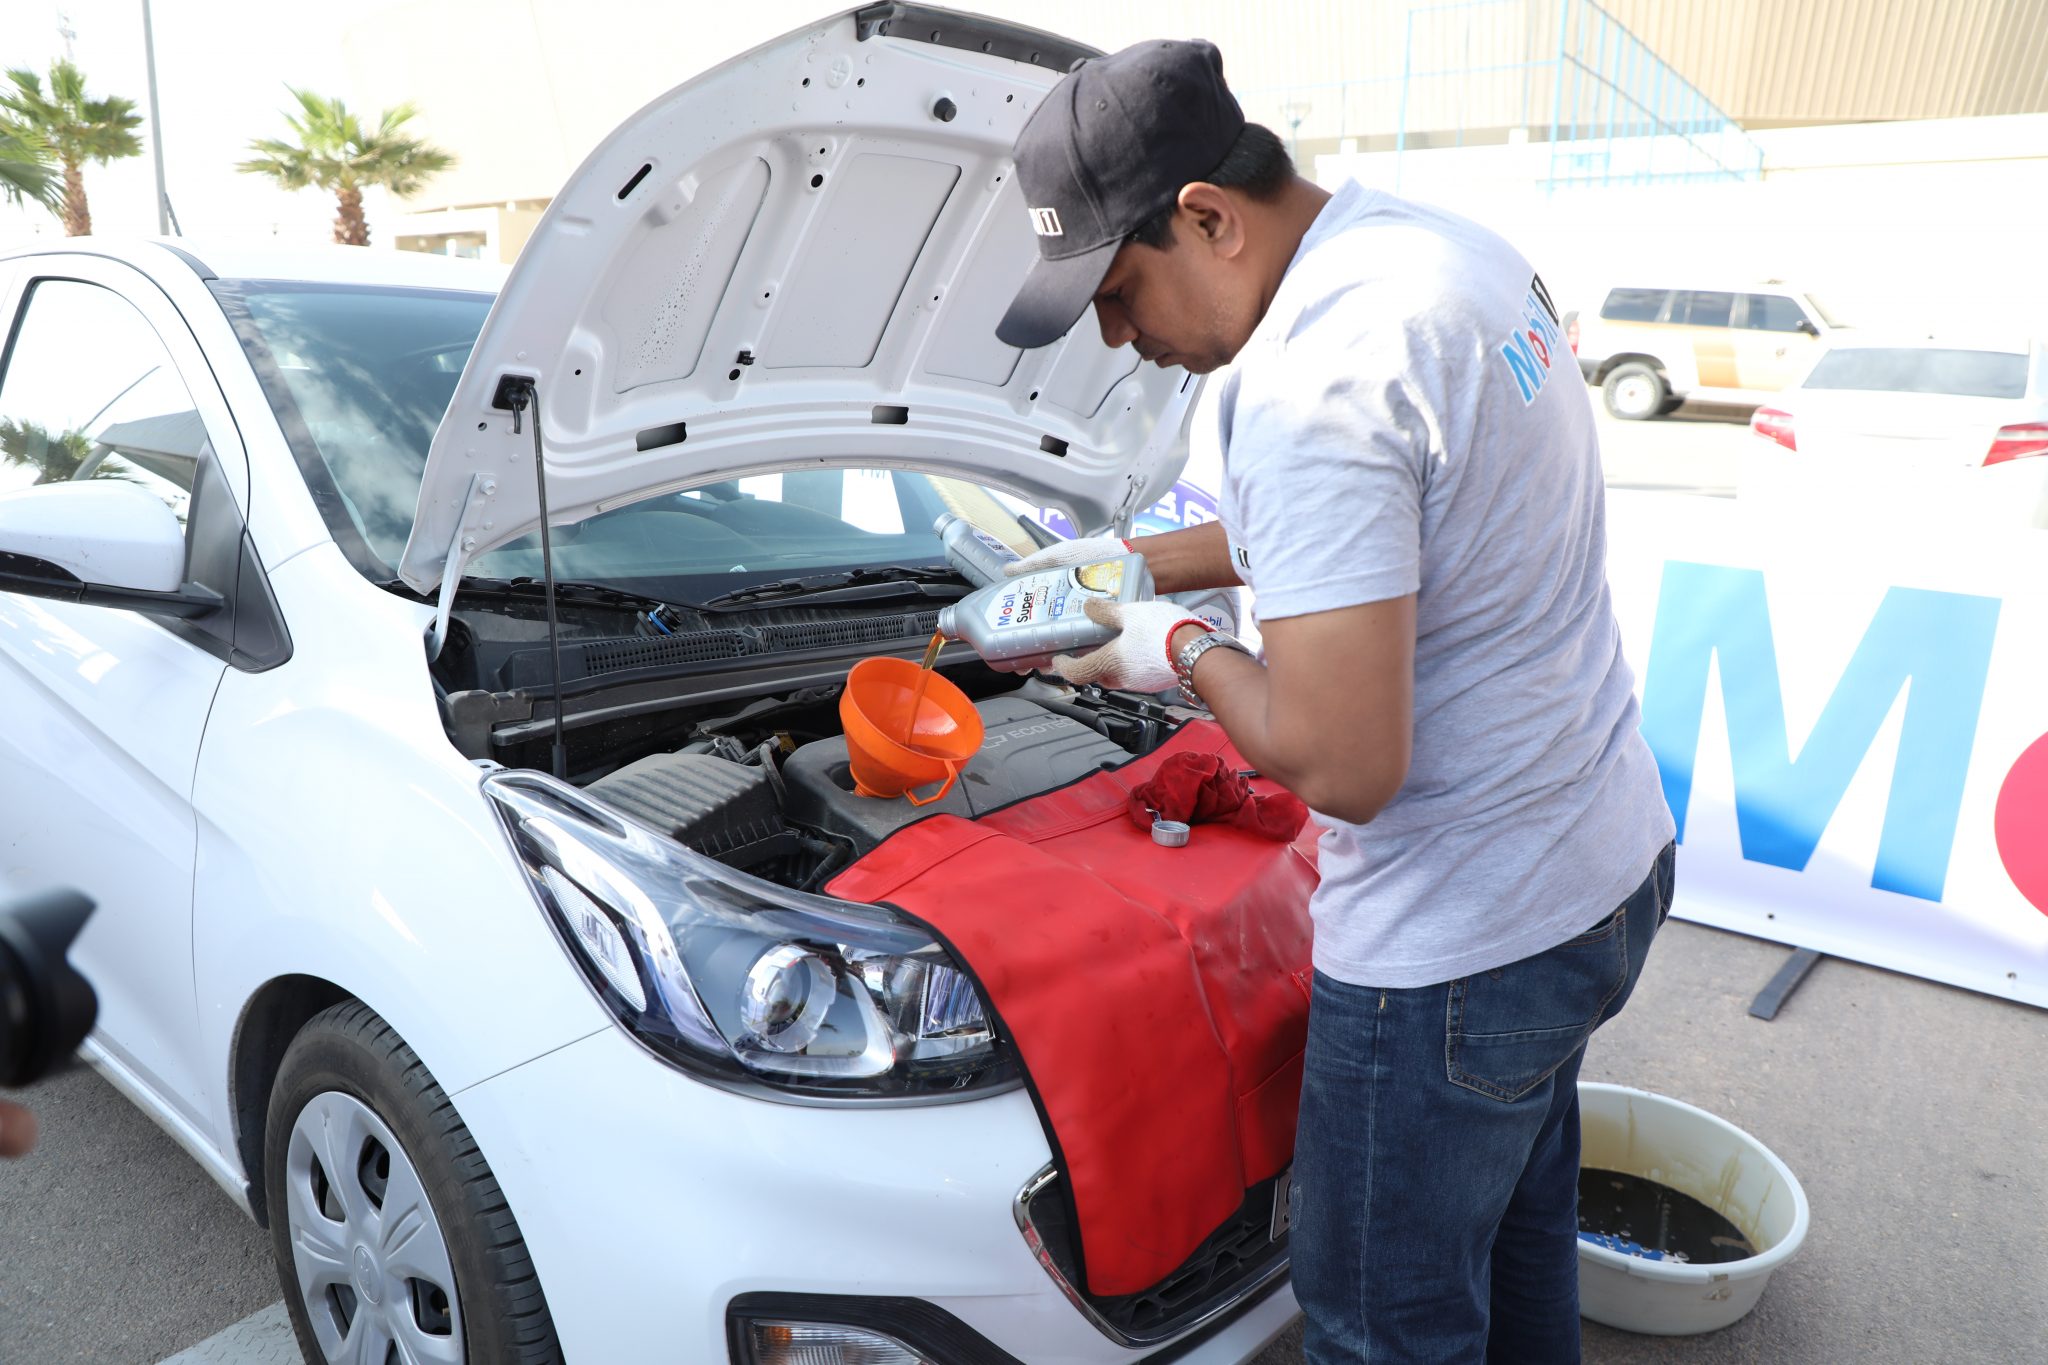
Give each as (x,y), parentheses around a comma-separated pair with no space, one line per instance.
(393,1241)
(1634,392)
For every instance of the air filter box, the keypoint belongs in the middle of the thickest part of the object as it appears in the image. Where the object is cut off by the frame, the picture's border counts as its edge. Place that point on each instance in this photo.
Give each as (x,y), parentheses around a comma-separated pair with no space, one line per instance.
(710,804)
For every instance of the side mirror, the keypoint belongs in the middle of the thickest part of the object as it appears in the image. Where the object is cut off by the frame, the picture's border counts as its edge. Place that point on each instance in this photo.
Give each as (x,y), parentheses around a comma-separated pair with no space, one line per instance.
(1806,325)
(102,542)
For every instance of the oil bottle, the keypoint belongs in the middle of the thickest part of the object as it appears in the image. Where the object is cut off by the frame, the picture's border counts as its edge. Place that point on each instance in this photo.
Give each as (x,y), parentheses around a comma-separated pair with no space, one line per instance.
(980,558)
(1020,623)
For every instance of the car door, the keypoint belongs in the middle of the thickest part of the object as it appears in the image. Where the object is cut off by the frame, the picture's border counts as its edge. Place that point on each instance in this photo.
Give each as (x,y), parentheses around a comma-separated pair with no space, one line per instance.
(1629,320)
(105,708)
(1774,345)
(1708,317)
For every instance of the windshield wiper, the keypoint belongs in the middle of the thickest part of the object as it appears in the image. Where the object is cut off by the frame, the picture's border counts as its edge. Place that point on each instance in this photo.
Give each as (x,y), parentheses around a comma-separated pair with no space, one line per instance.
(890,583)
(522,589)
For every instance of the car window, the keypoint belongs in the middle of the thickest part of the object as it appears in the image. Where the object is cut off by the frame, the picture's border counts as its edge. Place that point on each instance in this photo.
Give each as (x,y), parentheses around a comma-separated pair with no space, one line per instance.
(1773,313)
(1634,305)
(673,545)
(1823,312)
(360,377)
(90,392)
(1707,308)
(1922,369)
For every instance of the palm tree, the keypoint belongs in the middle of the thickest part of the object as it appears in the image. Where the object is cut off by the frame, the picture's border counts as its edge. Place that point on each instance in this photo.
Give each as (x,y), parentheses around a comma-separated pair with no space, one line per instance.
(58,456)
(333,152)
(76,130)
(25,167)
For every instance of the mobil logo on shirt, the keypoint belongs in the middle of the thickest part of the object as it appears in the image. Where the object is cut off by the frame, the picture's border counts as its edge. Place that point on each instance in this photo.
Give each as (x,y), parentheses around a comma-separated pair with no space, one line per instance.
(1532,342)
(1924,655)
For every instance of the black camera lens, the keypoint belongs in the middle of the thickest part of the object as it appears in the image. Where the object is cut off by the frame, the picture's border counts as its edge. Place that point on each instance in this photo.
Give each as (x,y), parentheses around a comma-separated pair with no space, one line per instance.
(46,1008)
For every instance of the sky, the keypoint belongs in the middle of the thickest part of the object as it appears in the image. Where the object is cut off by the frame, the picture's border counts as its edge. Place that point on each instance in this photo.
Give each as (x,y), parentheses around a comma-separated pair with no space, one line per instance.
(222,67)
(478,68)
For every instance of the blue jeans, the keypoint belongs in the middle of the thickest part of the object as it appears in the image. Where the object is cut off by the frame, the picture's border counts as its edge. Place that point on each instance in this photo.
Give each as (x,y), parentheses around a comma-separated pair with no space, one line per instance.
(1437,1163)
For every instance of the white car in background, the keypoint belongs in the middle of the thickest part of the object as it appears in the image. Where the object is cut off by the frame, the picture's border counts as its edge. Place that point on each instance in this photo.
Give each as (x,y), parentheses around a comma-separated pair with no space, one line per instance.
(519,1066)
(1912,432)
(1959,402)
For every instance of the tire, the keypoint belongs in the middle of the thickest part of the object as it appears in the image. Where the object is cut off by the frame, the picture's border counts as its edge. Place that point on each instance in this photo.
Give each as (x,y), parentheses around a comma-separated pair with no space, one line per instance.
(458,1285)
(1634,392)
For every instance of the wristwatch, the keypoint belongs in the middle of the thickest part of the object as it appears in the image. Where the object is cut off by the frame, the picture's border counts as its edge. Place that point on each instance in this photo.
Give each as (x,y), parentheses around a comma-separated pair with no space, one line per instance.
(1184,663)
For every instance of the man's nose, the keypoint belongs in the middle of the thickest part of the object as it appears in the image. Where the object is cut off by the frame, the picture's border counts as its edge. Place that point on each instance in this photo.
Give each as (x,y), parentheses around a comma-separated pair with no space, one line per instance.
(1116,327)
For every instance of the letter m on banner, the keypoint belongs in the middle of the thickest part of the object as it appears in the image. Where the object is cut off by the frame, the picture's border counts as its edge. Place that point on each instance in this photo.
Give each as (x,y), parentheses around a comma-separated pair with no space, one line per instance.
(1936,646)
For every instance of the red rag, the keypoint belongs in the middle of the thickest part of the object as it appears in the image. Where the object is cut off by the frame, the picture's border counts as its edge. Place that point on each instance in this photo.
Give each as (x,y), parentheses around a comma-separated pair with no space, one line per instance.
(1198,788)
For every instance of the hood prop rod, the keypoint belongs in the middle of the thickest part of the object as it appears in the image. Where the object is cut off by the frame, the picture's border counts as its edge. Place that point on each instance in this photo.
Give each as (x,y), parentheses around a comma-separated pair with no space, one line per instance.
(519,392)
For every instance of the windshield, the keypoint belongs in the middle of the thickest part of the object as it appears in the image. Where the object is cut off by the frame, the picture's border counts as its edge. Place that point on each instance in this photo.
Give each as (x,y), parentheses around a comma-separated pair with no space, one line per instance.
(1922,369)
(360,377)
(1827,314)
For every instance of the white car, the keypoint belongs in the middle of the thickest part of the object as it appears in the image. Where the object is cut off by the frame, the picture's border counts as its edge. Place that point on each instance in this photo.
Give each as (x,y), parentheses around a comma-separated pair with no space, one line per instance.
(525,1029)
(1961,402)
(1911,432)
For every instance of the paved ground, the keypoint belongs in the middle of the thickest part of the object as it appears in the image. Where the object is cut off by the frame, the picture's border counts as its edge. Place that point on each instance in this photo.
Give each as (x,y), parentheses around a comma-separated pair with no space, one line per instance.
(115,1249)
(1695,450)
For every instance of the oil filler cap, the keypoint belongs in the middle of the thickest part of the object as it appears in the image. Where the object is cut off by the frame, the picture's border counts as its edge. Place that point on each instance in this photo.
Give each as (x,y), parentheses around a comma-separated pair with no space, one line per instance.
(1169,833)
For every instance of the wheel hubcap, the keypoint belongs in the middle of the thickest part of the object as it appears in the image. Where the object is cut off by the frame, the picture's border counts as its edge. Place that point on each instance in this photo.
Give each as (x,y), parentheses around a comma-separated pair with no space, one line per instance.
(365,1276)
(371,1259)
(1634,394)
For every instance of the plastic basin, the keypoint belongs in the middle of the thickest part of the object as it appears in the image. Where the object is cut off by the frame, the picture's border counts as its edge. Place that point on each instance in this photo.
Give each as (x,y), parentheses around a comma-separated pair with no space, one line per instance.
(1689,1150)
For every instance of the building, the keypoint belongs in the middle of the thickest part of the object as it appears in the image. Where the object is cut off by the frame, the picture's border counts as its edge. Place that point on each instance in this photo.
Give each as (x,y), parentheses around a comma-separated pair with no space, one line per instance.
(472,232)
(1601,110)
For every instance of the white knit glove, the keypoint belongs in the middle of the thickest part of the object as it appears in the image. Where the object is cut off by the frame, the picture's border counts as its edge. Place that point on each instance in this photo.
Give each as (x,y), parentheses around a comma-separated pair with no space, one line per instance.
(1086,550)
(1136,660)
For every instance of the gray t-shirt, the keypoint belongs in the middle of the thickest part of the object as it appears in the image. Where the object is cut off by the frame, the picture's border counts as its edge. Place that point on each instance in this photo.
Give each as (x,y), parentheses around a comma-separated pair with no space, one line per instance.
(1408,418)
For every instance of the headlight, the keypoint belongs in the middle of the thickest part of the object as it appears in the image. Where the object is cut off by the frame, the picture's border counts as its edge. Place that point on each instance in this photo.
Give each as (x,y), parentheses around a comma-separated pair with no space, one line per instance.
(735,979)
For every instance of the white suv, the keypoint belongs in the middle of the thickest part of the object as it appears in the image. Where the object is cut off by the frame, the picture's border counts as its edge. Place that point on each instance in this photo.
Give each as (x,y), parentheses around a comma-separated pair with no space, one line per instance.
(1650,349)
(492,973)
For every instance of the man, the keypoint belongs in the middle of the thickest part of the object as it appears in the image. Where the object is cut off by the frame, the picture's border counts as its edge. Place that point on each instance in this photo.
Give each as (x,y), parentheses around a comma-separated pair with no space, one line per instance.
(1412,486)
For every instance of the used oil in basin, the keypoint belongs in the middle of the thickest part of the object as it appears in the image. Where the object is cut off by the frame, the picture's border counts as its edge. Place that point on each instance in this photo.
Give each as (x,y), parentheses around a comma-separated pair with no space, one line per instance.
(1728,1213)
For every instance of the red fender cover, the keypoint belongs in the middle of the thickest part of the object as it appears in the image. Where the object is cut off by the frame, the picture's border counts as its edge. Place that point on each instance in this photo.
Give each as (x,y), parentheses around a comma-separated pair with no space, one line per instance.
(1158,997)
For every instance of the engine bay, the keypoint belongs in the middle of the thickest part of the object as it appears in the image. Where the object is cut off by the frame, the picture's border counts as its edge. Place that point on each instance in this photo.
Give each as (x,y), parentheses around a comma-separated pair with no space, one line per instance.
(764,792)
(724,733)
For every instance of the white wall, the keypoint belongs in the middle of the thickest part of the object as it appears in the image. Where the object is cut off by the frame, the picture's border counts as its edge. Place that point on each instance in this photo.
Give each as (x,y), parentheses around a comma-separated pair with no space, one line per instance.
(1936,223)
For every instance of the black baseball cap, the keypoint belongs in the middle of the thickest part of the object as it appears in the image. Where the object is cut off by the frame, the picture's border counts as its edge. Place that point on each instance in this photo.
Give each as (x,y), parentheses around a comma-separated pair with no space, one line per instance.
(1110,147)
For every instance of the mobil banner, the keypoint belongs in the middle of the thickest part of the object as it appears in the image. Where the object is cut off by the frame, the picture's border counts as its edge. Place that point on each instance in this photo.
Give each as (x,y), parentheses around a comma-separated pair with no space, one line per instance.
(1848,709)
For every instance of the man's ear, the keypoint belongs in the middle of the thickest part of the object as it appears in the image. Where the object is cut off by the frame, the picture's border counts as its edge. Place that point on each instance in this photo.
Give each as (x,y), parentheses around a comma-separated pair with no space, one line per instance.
(1215,218)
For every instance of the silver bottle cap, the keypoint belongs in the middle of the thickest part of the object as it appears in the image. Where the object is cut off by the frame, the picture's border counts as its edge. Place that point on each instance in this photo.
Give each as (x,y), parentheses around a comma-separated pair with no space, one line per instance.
(1170,833)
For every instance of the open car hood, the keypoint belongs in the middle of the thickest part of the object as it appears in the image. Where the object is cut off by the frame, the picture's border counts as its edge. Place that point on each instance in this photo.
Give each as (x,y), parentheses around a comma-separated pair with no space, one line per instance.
(798,257)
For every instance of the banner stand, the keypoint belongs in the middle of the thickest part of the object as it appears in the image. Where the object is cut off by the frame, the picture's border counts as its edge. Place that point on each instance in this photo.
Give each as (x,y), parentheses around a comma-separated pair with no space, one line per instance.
(1772,998)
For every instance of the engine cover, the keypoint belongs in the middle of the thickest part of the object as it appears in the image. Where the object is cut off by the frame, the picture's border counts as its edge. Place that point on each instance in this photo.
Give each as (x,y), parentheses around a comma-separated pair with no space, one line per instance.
(1025,750)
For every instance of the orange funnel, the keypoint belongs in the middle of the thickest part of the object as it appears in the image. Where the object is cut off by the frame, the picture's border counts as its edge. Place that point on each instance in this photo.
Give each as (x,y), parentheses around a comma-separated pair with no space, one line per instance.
(897,738)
